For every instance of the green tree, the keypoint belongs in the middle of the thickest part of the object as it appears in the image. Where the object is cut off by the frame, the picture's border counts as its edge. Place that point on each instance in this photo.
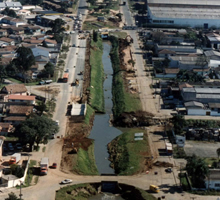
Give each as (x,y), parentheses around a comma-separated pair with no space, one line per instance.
(11,69)
(95,36)
(93,2)
(2,73)
(37,129)
(25,59)
(218,152)
(197,169)
(49,69)
(12,13)
(57,26)
(58,38)
(17,170)
(12,196)
(178,123)
(41,107)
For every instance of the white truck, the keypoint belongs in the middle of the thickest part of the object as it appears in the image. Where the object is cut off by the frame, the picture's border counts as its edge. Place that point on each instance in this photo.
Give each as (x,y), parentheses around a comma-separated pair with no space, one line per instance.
(44,165)
(15,158)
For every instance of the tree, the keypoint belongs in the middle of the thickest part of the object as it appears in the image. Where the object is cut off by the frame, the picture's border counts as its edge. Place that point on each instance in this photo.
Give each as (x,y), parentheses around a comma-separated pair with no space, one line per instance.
(58,38)
(9,12)
(178,123)
(17,170)
(36,129)
(41,107)
(49,69)
(119,15)
(25,59)
(11,69)
(197,169)
(2,73)
(57,26)
(12,196)
(95,36)
(218,152)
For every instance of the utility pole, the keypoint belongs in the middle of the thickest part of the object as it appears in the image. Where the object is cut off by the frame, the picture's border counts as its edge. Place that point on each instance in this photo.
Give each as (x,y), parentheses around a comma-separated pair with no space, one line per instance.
(20,189)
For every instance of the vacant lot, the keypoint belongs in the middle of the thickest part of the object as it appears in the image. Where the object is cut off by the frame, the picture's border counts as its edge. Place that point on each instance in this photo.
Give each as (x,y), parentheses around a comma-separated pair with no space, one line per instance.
(202,149)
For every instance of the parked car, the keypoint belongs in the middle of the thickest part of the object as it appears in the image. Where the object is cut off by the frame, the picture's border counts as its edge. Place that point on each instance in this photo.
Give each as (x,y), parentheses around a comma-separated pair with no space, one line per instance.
(169,170)
(18,146)
(10,147)
(52,136)
(66,181)
(67,70)
(54,166)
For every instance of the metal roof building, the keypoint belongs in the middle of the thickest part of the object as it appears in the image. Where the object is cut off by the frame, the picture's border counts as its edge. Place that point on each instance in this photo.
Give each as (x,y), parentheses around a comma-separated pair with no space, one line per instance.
(197,13)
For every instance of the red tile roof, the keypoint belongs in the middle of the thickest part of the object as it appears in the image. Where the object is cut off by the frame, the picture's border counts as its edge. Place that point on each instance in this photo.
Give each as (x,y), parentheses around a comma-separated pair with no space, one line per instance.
(18,109)
(21,97)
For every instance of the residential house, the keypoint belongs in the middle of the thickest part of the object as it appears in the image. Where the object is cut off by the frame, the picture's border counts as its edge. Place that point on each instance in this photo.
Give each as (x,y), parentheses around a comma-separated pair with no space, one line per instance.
(40,51)
(4,61)
(213,40)
(24,12)
(36,30)
(28,7)
(16,30)
(3,32)
(13,5)
(50,43)
(165,53)
(13,21)
(101,18)
(18,89)
(32,41)
(19,110)
(8,50)
(212,181)
(213,57)
(29,100)
(7,41)
(5,128)
(168,73)
(14,120)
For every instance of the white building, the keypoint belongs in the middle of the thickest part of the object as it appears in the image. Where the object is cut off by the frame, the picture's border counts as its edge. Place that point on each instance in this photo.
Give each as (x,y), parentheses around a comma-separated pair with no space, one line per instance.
(197,13)
(213,179)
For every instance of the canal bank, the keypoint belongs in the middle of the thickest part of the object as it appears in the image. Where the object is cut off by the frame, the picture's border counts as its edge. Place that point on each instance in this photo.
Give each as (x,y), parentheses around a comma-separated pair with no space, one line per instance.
(102,132)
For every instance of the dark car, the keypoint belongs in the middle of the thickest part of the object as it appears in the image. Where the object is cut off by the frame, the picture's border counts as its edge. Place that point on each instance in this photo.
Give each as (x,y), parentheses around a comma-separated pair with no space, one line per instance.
(168,170)
(54,165)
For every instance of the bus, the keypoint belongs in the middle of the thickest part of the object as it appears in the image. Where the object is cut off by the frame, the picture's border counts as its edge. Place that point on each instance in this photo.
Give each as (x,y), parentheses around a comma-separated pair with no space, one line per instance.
(65,77)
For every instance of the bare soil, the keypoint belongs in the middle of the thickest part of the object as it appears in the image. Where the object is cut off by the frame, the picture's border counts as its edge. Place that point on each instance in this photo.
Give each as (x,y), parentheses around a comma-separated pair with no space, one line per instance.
(76,129)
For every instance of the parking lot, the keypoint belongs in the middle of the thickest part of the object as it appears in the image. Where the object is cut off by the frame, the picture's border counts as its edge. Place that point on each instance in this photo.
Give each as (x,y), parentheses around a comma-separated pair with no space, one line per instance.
(201,148)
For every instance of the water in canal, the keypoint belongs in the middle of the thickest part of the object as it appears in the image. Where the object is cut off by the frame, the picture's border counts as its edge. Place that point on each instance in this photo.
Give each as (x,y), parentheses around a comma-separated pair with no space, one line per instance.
(102,132)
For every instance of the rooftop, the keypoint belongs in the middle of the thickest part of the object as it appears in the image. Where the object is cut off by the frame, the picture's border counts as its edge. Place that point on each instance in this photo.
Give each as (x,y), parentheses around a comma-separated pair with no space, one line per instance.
(193,104)
(18,109)
(15,88)
(14,118)
(21,97)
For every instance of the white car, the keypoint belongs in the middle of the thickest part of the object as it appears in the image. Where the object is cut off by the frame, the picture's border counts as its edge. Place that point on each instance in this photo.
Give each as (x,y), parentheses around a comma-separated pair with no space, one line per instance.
(66,181)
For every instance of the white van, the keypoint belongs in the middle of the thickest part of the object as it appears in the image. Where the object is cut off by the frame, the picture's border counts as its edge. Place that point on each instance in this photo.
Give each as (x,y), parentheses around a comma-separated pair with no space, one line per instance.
(48,81)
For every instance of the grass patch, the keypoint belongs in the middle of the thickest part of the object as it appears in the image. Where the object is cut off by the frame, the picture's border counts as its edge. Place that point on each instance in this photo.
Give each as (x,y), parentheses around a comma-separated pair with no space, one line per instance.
(65,192)
(179,152)
(97,76)
(119,34)
(88,25)
(184,182)
(89,113)
(123,101)
(130,154)
(11,138)
(86,162)
(43,149)
(211,161)
(30,175)
(13,80)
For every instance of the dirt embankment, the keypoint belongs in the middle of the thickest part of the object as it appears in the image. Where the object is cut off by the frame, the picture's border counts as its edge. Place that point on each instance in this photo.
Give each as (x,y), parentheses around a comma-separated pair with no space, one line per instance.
(76,129)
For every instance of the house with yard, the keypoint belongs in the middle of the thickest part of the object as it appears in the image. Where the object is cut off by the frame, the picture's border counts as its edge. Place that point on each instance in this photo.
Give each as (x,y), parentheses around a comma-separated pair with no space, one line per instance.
(18,89)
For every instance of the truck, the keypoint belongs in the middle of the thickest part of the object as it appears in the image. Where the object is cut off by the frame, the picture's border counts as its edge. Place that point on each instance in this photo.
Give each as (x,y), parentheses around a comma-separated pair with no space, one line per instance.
(15,158)
(44,165)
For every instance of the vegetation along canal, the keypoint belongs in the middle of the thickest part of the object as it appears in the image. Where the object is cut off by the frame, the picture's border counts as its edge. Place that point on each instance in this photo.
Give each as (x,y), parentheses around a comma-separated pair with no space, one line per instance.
(102,132)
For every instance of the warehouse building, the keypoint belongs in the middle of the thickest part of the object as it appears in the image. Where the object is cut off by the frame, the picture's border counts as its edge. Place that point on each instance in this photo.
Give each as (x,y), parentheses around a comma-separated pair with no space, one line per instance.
(197,13)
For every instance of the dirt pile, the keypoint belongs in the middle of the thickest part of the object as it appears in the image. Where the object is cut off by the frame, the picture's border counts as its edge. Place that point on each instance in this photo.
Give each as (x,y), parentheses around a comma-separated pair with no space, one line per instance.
(131,119)
(163,164)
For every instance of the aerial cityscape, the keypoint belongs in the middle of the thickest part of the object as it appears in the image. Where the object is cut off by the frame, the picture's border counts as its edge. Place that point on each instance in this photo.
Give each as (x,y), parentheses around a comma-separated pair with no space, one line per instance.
(109,100)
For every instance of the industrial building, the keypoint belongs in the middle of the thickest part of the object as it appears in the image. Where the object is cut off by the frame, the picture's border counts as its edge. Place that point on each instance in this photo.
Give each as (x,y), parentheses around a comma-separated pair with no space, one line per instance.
(197,13)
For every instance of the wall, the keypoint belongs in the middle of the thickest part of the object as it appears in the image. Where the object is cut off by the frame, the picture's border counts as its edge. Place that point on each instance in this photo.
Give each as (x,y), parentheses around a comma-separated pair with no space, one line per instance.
(200,111)
(211,184)
(13,183)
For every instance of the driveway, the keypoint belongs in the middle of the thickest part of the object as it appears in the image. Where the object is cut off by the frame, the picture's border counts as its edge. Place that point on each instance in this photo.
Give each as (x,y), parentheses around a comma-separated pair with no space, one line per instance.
(201,149)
